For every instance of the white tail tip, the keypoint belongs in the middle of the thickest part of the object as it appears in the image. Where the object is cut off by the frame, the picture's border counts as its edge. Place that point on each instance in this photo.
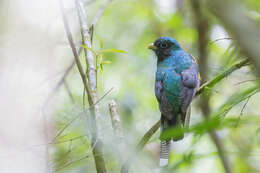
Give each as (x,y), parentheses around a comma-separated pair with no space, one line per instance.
(163,162)
(164,154)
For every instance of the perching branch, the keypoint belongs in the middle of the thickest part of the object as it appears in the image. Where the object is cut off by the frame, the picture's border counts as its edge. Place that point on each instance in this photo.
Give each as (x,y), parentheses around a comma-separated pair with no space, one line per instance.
(210,84)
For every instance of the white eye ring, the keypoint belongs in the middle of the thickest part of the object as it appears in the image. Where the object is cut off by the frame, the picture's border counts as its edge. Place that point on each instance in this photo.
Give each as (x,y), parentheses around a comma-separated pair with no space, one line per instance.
(163,45)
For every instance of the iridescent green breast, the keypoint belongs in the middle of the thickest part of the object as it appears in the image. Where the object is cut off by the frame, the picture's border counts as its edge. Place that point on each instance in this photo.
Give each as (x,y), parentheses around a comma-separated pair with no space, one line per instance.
(171,85)
(169,72)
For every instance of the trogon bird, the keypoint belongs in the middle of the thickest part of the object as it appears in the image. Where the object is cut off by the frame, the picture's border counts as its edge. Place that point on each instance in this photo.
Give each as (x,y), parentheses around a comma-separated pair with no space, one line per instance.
(177,80)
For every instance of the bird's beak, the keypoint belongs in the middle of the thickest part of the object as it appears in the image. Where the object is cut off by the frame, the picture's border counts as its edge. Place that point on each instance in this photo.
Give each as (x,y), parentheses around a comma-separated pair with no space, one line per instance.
(152,46)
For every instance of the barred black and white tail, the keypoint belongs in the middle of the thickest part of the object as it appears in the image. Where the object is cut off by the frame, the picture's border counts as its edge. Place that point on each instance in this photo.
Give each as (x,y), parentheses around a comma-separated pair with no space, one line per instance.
(164,153)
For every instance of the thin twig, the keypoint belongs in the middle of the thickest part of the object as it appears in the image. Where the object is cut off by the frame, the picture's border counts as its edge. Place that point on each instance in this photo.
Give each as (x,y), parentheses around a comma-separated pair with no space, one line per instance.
(74,51)
(242,111)
(72,162)
(62,141)
(69,91)
(250,80)
(63,157)
(59,83)
(86,156)
(219,39)
(75,118)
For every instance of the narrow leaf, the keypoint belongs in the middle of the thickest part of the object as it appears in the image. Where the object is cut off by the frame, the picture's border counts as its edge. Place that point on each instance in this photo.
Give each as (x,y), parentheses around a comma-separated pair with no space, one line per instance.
(112,51)
(107,62)
(90,49)
(210,84)
(235,99)
(101,62)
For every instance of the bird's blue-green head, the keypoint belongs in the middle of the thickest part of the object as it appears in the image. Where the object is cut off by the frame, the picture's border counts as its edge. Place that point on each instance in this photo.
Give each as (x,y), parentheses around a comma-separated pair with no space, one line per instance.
(164,47)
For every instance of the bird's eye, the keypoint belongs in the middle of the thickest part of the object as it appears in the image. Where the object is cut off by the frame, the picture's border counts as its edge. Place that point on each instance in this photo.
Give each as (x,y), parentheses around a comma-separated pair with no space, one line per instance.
(163,45)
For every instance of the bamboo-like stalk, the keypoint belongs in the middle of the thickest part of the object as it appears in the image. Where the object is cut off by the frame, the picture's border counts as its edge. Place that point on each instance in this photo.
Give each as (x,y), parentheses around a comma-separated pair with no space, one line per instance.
(90,85)
(74,51)
(91,75)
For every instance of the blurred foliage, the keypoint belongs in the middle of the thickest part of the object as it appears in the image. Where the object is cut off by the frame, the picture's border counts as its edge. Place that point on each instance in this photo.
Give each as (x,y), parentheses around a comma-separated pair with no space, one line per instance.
(130,25)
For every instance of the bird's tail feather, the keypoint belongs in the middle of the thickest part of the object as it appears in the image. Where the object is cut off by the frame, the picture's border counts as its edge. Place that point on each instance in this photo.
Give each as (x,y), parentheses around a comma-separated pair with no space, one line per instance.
(187,118)
(164,153)
(165,145)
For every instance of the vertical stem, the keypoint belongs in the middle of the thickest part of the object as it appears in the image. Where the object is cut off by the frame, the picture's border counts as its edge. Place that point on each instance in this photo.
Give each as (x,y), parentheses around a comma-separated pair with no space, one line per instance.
(115,119)
(202,26)
(220,148)
(92,83)
(74,51)
(92,97)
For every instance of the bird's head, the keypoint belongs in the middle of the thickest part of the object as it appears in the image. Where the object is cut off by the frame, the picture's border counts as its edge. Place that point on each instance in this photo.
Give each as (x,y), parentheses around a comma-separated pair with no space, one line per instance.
(164,47)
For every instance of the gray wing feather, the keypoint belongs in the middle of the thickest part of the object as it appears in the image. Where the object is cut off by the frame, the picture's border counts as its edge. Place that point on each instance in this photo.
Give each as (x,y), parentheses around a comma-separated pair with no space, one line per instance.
(189,84)
(158,90)
(164,105)
(187,118)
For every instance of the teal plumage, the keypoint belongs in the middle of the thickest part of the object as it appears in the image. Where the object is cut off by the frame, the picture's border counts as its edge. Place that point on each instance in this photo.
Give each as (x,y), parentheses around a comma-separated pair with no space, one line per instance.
(171,69)
(177,80)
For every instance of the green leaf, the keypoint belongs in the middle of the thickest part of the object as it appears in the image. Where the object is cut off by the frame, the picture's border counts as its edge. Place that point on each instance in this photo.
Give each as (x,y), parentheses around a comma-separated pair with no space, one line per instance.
(107,62)
(101,62)
(210,84)
(112,51)
(209,124)
(173,132)
(90,49)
